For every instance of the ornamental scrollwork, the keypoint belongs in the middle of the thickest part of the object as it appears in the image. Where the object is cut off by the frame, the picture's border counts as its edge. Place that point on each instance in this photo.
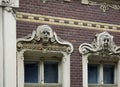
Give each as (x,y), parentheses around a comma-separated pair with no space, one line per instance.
(102,44)
(106,4)
(7,4)
(44,39)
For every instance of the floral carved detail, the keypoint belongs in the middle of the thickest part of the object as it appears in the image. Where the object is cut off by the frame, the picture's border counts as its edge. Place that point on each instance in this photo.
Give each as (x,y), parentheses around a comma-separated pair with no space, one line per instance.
(44,39)
(106,4)
(7,4)
(103,44)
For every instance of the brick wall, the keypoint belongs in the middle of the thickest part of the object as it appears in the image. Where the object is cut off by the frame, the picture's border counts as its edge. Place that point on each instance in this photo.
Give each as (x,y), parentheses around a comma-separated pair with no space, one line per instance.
(76,36)
(73,9)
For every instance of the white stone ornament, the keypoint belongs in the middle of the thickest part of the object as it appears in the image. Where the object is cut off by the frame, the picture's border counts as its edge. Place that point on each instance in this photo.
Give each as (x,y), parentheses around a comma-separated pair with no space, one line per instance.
(8,51)
(44,39)
(11,3)
(103,4)
(103,44)
(45,33)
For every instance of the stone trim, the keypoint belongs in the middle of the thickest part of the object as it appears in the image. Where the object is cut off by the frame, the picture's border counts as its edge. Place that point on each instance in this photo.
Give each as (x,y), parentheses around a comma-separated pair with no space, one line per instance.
(104,4)
(44,39)
(44,1)
(1,49)
(9,3)
(98,51)
(84,1)
(43,19)
(103,45)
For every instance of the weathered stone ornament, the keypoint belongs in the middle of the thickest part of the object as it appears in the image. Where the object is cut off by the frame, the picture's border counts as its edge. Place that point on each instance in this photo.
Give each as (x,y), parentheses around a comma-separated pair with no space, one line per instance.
(44,39)
(103,44)
(7,4)
(106,4)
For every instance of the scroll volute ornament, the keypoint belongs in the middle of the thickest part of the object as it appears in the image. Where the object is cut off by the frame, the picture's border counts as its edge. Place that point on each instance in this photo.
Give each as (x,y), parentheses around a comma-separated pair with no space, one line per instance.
(44,39)
(103,44)
(104,4)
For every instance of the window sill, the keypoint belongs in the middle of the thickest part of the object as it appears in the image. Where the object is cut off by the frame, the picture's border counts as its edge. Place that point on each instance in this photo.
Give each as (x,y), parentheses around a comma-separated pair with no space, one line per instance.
(42,85)
(104,85)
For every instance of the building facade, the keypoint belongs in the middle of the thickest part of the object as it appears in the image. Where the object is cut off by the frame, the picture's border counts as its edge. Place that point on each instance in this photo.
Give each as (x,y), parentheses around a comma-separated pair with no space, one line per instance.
(88,53)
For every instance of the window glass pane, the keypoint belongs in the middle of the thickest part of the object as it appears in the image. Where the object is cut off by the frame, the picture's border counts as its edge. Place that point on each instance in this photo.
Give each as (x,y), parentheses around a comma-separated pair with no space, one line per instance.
(51,72)
(108,72)
(31,72)
(93,73)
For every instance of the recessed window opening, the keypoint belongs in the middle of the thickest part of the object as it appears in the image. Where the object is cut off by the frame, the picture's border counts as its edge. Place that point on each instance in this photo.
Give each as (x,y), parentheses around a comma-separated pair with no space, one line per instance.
(101,73)
(31,72)
(50,72)
(93,72)
(43,59)
(42,69)
(108,73)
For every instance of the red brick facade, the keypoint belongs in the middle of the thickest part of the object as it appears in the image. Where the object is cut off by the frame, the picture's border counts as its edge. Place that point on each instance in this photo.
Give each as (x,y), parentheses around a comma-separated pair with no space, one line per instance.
(73,9)
(76,36)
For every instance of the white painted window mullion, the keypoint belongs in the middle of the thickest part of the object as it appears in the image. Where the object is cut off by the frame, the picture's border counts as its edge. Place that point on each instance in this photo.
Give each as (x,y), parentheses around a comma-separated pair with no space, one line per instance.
(101,74)
(42,72)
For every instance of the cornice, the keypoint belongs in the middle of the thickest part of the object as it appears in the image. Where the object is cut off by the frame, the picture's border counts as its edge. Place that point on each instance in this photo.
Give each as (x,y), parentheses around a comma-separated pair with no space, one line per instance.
(43,19)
